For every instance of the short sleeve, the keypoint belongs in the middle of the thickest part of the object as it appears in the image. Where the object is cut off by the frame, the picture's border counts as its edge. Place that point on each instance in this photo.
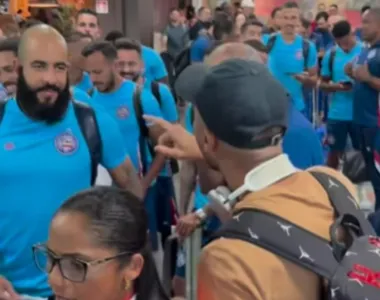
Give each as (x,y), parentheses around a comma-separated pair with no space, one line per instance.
(158,66)
(198,50)
(374,64)
(114,152)
(325,70)
(313,56)
(150,105)
(168,106)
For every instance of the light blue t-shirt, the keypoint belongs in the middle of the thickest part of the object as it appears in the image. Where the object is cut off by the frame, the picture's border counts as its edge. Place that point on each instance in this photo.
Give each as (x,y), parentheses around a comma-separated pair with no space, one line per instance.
(85,84)
(155,69)
(169,112)
(119,105)
(285,60)
(80,95)
(341,103)
(199,48)
(41,167)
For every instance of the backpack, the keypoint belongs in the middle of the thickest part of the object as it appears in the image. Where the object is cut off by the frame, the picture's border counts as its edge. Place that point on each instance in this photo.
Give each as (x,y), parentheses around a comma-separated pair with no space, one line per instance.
(305,48)
(144,131)
(331,62)
(351,270)
(89,127)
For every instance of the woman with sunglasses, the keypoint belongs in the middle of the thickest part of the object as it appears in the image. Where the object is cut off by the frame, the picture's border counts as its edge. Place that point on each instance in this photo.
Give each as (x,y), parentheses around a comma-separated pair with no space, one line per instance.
(98,249)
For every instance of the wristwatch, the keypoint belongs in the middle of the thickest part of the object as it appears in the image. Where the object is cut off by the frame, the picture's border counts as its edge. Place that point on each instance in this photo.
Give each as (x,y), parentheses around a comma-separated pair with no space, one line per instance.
(201,215)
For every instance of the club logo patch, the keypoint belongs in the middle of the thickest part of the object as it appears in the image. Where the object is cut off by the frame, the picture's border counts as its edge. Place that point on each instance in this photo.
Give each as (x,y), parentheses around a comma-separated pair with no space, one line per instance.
(9,146)
(299,55)
(66,143)
(122,112)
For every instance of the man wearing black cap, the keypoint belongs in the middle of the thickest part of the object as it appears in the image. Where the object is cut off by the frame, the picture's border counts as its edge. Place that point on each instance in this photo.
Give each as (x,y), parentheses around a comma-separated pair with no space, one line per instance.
(240,119)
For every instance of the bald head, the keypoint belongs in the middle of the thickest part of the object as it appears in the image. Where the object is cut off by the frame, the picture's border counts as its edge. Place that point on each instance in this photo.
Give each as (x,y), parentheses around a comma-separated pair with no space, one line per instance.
(375,12)
(232,50)
(40,37)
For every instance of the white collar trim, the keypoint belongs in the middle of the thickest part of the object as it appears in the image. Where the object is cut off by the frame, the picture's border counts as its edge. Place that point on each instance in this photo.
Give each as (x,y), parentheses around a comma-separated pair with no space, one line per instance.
(265,175)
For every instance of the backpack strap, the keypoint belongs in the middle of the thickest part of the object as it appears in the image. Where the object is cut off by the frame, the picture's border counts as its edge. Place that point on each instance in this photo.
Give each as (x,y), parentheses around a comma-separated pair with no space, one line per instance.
(342,200)
(2,110)
(144,131)
(331,62)
(305,52)
(271,42)
(89,127)
(282,238)
(155,87)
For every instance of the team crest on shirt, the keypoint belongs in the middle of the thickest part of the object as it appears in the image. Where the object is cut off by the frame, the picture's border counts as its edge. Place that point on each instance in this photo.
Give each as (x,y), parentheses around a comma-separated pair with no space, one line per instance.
(122,112)
(299,54)
(66,143)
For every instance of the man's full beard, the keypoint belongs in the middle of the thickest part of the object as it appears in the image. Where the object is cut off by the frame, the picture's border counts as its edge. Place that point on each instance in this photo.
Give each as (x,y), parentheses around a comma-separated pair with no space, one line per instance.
(27,100)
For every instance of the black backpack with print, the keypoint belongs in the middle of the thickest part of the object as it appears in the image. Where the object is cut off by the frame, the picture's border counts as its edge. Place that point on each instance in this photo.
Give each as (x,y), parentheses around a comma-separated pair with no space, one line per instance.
(89,127)
(351,267)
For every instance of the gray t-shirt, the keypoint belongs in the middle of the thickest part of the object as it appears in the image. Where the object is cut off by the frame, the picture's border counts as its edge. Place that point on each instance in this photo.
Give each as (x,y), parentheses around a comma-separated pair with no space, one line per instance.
(178,38)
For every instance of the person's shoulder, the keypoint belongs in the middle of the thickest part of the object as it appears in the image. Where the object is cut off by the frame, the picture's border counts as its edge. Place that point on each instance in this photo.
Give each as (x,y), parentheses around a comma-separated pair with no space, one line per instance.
(149,51)
(80,95)
(339,177)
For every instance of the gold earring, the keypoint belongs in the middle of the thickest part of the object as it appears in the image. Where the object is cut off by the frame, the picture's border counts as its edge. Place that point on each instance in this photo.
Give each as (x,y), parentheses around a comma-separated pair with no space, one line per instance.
(127,285)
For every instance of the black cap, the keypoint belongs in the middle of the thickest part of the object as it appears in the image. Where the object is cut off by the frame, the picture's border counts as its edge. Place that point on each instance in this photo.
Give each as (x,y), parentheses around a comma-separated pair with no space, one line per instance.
(239,101)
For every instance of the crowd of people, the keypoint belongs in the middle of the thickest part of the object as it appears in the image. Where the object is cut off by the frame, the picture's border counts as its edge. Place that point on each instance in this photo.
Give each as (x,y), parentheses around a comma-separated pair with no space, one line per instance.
(247,152)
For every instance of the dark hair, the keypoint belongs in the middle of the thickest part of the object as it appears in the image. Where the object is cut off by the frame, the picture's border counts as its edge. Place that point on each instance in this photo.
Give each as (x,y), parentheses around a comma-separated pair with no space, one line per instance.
(305,23)
(334,6)
(106,48)
(119,221)
(10,45)
(223,25)
(128,44)
(365,8)
(19,11)
(322,15)
(87,11)
(275,11)
(291,4)
(252,17)
(113,35)
(257,45)
(341,29)
(251,23)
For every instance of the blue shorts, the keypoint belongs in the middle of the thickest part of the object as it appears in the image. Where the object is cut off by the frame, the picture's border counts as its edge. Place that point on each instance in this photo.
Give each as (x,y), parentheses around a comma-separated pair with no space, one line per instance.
(338,133)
